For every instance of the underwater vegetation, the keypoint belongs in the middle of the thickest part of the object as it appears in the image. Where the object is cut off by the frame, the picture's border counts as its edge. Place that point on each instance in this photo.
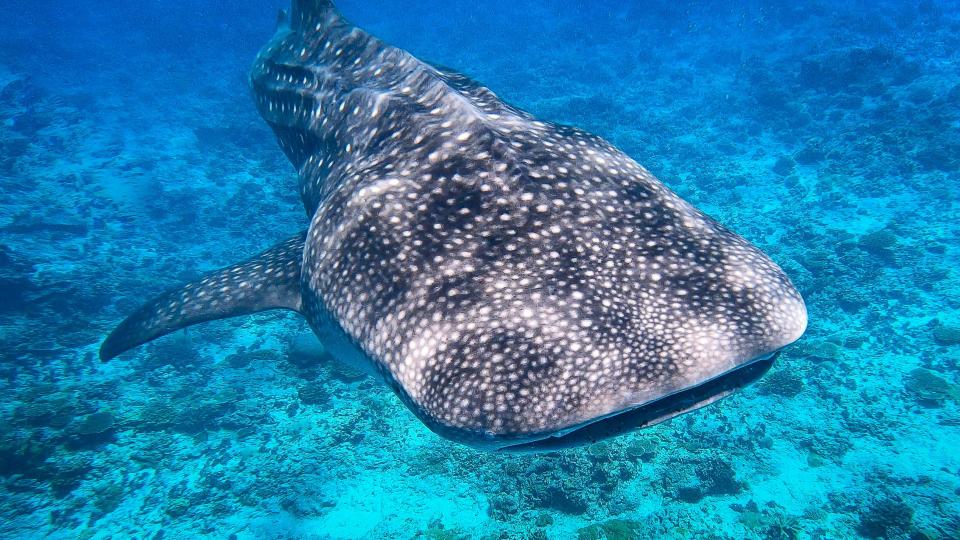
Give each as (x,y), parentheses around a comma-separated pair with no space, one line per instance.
(828,135)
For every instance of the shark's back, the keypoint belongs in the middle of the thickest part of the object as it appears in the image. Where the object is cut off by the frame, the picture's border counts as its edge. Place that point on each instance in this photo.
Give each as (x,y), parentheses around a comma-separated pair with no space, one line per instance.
(341,100)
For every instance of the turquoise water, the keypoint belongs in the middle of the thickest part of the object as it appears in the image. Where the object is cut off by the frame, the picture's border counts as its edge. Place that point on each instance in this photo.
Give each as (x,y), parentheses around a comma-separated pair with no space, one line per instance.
(132,159)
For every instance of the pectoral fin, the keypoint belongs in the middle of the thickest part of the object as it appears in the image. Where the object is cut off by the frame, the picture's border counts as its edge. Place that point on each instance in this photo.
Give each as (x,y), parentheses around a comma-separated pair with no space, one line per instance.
(271,280)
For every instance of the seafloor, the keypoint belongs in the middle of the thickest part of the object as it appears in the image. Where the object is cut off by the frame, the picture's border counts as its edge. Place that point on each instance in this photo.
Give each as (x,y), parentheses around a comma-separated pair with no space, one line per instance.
(131,159)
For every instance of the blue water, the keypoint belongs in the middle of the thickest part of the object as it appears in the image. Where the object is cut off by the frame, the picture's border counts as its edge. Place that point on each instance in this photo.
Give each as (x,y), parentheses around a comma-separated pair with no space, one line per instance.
(132,159)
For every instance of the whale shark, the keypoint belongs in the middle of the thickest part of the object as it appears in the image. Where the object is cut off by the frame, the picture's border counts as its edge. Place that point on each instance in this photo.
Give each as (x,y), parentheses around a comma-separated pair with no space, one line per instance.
(520,285)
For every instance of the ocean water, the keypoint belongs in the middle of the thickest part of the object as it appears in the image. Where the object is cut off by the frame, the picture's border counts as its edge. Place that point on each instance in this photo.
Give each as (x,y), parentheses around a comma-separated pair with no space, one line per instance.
(132,159)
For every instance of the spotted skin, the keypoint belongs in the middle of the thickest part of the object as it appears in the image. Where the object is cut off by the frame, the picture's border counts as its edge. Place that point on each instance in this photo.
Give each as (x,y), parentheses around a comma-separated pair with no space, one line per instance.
(271,280)
(510,278)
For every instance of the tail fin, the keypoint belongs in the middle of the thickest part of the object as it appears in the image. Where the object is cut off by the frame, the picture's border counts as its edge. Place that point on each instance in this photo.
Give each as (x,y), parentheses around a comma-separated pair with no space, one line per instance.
(268,281)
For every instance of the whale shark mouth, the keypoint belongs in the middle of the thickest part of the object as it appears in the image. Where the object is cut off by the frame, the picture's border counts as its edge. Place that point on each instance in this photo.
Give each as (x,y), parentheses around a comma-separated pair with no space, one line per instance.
(652,412)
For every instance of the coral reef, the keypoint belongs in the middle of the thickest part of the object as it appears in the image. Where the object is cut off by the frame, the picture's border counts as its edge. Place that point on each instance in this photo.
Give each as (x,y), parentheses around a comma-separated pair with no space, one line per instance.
(929,388)
(885,518)
(947,333)
(614,529)
(781,383)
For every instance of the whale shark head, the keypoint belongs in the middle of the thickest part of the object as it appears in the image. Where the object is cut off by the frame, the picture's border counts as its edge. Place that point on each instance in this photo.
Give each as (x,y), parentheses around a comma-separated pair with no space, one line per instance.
(593,329)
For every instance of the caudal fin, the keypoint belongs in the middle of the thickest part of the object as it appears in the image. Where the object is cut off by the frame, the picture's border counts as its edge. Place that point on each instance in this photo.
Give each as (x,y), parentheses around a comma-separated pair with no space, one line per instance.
(270,280)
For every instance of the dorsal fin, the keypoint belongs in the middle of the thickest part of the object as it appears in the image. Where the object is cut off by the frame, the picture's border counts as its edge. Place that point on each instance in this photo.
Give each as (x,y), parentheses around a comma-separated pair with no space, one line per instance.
(309,13)
(271,280)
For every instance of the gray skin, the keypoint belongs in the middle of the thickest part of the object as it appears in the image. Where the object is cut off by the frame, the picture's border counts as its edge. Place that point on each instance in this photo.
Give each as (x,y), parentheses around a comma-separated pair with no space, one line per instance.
(520,285)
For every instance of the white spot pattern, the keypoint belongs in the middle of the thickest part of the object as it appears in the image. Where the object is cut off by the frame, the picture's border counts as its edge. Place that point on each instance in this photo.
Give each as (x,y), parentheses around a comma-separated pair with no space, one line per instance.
(510,277)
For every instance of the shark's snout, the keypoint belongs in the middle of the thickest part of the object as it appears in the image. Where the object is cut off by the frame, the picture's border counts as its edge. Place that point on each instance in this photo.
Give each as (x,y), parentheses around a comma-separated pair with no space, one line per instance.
(793,313)
(689,337)
(785,323)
